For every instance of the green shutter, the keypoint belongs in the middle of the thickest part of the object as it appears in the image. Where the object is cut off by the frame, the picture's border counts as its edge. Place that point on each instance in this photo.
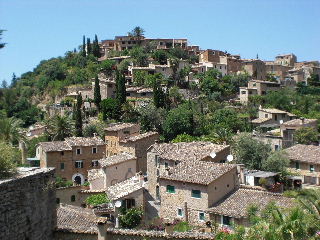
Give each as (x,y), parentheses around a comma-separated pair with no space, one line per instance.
(196,194)
(170,189)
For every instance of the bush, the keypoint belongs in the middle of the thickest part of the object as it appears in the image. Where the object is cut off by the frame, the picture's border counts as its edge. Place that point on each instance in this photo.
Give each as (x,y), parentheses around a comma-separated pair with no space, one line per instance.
(131,218)
(9,157)
(63,183)
(182,227)
(98,199)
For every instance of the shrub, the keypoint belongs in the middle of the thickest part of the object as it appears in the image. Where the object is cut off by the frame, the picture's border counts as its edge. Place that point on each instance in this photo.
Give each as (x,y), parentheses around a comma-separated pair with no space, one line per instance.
(63,183)
(98,199)
(9,157)
(131,218)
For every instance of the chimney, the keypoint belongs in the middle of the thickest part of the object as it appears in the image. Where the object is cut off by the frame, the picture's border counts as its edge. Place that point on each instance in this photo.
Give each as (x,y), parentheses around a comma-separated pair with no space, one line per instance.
(94,134)
(186,217)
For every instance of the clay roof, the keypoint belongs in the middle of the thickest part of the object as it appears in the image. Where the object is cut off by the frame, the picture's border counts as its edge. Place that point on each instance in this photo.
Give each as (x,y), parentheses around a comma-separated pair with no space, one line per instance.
(184,151)
(145,90)
(199,172)
(260,120)
(116,159)
(124,188)
(297,122)
(237,203)
(95,174)
(76,219)
(139,137)
(272,110)
(304,153)
(119,126)
(57,146)
(84,141)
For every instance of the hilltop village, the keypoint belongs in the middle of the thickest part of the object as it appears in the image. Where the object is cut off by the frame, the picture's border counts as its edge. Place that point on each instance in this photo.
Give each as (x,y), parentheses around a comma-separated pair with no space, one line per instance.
(152,138)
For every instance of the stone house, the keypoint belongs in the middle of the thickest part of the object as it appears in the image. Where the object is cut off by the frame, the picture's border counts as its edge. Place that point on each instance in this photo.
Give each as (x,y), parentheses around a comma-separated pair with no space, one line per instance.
(233,208)
(107,88)
(286,59)
(257,87)
(255,67)
(136,93)
(187,190)
(170,155)
(277,70)
(113,169)
(73,157)
(28,209)
(126,137)
(203,67)
(305,161)
(271,117)
(233,62)
(210,55)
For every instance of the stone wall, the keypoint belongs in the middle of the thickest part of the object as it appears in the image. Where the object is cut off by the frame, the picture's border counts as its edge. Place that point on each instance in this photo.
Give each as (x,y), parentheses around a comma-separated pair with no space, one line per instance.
(74,236)
(28,209)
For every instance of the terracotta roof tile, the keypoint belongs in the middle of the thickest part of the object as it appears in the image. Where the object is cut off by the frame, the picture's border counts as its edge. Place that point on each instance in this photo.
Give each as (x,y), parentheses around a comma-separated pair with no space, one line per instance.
(116,159)
(139,137)
(119,126)
(237,203)
(304,153)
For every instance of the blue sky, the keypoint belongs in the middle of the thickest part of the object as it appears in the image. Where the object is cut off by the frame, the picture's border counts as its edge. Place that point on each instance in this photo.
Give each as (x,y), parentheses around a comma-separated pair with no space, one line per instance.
(41,29)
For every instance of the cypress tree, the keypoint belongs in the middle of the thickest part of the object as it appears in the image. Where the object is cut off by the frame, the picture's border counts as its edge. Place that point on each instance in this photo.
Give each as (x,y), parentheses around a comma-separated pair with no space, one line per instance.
(158,95)
(78,116)
(89,49)
(121,87)
(84,46)
(97,95)
(96,48)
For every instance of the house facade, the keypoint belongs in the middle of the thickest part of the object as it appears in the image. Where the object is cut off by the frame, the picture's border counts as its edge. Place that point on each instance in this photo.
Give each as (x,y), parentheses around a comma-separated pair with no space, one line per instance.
(73,157)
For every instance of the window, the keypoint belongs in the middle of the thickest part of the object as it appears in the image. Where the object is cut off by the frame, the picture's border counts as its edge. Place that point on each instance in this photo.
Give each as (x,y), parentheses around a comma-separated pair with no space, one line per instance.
(170,189)
(201,216)
(275,117)
(179,212)
(94,150)
(126,132)
(157,192)
(276,147)
(226,220)
(311,168)
(62,166)
(266,115)
(73,198)
(196,193)
(62,153)
(94,163)
(297,165)
(57,200)
(78,151)
(243,92)
(78,164)
(166,164)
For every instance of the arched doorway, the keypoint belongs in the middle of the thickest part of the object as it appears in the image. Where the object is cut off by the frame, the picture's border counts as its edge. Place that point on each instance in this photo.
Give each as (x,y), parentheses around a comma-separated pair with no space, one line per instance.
(78,178)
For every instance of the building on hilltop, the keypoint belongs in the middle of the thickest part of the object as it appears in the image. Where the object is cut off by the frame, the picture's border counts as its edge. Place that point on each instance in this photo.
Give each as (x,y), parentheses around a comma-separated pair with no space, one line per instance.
(286,59)
(73,157)
(28,209)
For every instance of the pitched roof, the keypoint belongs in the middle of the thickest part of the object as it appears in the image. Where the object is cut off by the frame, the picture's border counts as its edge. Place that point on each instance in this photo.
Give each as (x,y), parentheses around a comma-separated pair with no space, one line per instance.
(304,153)
(237,203)
(260,120)
(272,110)
(184,151)
(119,126)
(301,122)
(139,137)
(199,172)
(67,145)
(116,159)
(76,219)
(55,146)
(124,188)
(84,141)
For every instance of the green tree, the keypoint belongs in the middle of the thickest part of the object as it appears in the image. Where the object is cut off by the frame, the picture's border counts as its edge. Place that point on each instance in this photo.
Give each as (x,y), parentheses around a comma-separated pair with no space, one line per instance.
(78,117)
(97,94)
(277,162)
(184,138)
(59,127)
(160,56)
(121,94)
(89,47)
(130,218)
(94,128)
(107,66)
(210,84)
(306,135)
(97,199)
(1,43)
(137,32)
(158,95)
(227,118)
(10,130)
(110,109)
(151,118)
(95,47)
(83,51)
(9,158)
(178,121)
(314,80)
(249,151)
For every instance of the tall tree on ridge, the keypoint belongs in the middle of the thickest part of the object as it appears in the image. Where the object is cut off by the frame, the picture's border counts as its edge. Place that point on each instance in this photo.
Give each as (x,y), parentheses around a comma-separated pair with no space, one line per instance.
(96,48)
(97,94)
(1,44)
(78,117)
(83,52)
(89,47)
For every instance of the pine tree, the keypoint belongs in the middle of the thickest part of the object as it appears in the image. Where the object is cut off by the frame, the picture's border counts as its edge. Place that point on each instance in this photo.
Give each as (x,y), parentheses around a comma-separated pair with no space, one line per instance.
(89,47)
(158,95)
(14,80)
(121,87)
(84,46)
(78,116)
(96,48)
(97,95)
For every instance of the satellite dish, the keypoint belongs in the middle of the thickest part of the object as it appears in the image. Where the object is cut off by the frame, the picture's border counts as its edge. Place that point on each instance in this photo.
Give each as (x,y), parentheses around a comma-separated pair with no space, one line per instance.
(281,121)
(118,204)
(230,158)
(213,154)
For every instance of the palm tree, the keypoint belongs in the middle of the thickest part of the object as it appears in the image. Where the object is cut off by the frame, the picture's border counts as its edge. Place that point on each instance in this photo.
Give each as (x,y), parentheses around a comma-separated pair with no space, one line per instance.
(10,130)
(60,127)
